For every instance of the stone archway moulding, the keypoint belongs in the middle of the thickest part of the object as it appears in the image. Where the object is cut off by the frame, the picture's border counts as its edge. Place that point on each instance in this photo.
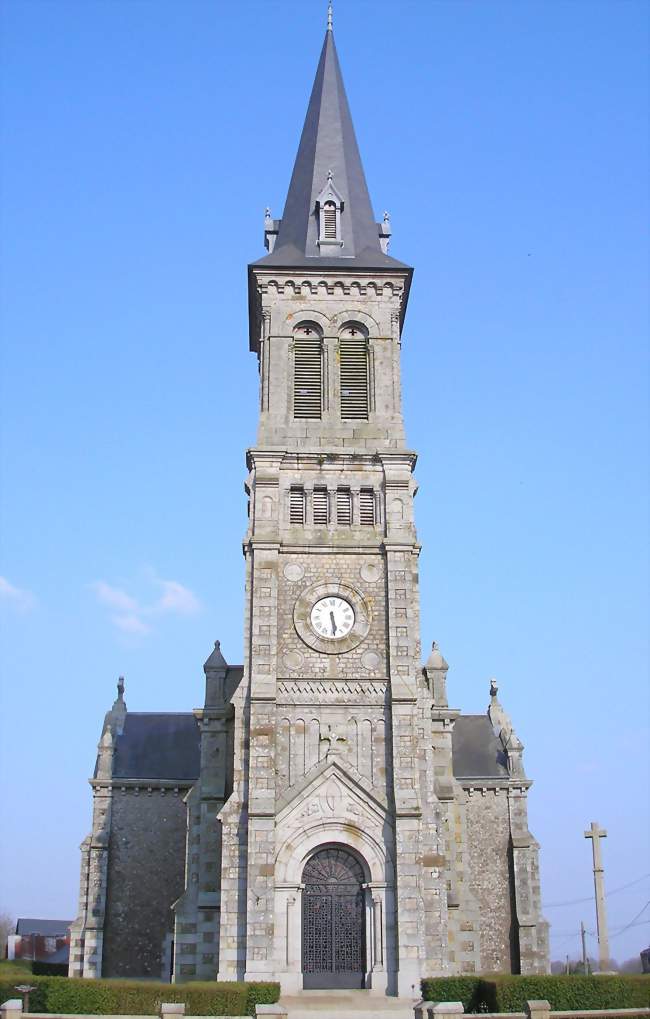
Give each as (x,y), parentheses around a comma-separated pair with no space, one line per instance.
(379,900)
(296,850)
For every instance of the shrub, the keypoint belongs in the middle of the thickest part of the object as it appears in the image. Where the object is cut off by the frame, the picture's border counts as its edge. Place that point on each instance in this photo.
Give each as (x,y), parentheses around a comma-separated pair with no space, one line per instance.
(504,993)
(261,994)
(132,997)
(11,974)
(50,969)
(465,989)
(510,993)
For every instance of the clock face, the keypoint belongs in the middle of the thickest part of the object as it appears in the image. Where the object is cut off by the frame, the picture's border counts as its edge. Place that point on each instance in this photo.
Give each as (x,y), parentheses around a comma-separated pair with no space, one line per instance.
(332,617)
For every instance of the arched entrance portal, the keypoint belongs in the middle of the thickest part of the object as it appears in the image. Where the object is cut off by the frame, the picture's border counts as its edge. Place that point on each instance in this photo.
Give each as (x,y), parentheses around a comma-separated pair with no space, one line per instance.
(333,920)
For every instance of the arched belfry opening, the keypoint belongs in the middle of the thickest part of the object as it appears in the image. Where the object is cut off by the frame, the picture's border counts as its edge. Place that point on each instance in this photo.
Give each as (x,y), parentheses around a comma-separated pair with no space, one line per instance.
(333,919)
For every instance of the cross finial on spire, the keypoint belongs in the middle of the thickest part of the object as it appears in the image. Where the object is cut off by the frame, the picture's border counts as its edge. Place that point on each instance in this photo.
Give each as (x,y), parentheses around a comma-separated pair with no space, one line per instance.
(330,17)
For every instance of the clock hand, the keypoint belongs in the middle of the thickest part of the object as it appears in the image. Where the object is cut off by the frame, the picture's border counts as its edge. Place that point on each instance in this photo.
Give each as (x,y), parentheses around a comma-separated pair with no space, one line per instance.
(333,624)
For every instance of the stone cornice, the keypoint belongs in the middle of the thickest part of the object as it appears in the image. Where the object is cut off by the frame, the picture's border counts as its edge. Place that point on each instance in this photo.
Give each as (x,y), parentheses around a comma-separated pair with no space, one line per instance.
(479,784)
(147,785)
(318,459)
(331,281)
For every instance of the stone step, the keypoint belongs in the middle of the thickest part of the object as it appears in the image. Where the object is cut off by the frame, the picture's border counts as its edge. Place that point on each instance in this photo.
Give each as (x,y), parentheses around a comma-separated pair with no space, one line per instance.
(345,1005)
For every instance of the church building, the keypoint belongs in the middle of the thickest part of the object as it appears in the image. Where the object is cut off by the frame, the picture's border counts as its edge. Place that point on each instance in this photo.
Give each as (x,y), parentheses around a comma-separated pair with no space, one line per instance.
(326,819)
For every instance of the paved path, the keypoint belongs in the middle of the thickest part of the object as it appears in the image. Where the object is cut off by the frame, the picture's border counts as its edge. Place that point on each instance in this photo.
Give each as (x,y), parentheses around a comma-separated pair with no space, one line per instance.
(345,1005)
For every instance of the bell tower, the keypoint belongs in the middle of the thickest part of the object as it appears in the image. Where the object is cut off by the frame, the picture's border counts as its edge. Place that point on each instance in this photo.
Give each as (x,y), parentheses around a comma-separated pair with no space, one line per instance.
(331,774)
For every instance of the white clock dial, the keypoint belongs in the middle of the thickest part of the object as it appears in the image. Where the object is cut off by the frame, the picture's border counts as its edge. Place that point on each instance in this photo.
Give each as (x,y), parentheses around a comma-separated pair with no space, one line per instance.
(332,617)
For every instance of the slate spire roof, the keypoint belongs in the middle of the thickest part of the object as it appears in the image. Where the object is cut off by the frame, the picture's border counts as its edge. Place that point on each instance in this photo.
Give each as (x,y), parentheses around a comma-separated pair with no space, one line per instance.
(328,149)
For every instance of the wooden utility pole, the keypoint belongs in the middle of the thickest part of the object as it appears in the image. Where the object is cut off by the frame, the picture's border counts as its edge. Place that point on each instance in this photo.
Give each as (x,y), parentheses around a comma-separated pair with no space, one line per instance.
(596,834)
(585,964)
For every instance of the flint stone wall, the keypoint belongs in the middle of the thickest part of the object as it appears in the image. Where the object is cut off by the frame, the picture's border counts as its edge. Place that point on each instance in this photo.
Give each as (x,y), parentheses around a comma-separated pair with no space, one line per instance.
(488,837)
(146,874)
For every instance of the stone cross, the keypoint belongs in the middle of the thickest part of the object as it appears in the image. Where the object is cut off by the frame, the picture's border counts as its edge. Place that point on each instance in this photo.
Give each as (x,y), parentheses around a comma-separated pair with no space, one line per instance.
(596,834)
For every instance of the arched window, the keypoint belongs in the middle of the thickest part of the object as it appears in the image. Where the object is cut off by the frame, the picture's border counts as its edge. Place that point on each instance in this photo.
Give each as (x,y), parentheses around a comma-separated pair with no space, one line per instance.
(353,367)
(307,371)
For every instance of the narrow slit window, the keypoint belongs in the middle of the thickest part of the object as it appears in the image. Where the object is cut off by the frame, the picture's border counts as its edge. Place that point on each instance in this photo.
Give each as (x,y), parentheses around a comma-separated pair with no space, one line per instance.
(343,506)
(296,505)
(307,374)
(353,353)
(367,507)
(329,221)
(321,515)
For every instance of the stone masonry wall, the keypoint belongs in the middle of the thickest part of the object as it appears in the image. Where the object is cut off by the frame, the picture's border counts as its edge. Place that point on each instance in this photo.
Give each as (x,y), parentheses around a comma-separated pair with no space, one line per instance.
(145,875)
(295,657)
(488,833)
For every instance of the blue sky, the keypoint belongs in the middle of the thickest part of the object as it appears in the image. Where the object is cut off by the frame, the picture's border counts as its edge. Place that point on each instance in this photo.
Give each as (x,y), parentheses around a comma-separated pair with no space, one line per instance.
(143,140)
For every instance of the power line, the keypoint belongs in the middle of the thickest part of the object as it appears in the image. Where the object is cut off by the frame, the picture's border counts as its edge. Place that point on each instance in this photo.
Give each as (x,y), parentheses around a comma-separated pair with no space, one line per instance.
(632,922)
(589,898)
(618,930)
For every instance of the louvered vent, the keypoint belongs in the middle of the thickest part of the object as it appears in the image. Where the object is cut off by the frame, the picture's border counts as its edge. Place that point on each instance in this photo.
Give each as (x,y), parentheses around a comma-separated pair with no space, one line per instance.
(367,506)
(297,506)
(321,516)
(343,506)
(354,377)
(307,375)
(329,221)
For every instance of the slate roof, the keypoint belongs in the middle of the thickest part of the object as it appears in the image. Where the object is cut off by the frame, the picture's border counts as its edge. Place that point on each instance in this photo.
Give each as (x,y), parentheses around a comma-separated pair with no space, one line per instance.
(47,928)
(158,746)
(328,142)
(167,746)
(476,751)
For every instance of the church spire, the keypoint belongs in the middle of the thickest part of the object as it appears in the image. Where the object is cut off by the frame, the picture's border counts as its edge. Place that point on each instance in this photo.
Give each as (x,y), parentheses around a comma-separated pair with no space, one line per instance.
(328,217)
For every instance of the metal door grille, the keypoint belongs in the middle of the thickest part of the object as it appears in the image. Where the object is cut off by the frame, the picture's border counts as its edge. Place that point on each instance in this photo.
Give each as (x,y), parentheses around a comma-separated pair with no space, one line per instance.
(333,941)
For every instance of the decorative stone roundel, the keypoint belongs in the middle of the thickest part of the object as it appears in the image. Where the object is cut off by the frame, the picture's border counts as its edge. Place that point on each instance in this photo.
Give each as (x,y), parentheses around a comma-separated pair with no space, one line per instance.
(307,633)
(370,572)
(371,661)
(293,660)
(294,571)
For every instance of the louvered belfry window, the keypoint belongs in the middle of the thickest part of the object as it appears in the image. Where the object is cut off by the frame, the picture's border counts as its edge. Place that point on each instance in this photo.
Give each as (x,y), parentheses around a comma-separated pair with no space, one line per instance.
(329,221)
(321,515)
(353,354)
(343,506)
(367,506)
(296,505)
(307,373)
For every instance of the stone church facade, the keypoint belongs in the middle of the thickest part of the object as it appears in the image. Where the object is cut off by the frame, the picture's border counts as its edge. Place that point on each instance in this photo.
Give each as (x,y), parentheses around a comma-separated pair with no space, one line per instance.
(326,818)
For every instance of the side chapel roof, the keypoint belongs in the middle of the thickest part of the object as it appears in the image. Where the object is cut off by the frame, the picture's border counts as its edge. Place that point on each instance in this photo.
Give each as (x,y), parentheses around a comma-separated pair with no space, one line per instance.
(162,746)
(476,749)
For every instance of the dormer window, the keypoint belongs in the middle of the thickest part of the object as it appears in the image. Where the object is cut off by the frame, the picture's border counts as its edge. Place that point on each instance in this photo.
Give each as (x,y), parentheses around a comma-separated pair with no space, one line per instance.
(329,206)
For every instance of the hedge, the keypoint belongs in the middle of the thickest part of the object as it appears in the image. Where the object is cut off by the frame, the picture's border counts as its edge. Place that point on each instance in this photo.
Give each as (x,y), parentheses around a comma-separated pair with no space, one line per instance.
(465,989)
(502,993)
(133,997)
(576,991)
(50,969)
